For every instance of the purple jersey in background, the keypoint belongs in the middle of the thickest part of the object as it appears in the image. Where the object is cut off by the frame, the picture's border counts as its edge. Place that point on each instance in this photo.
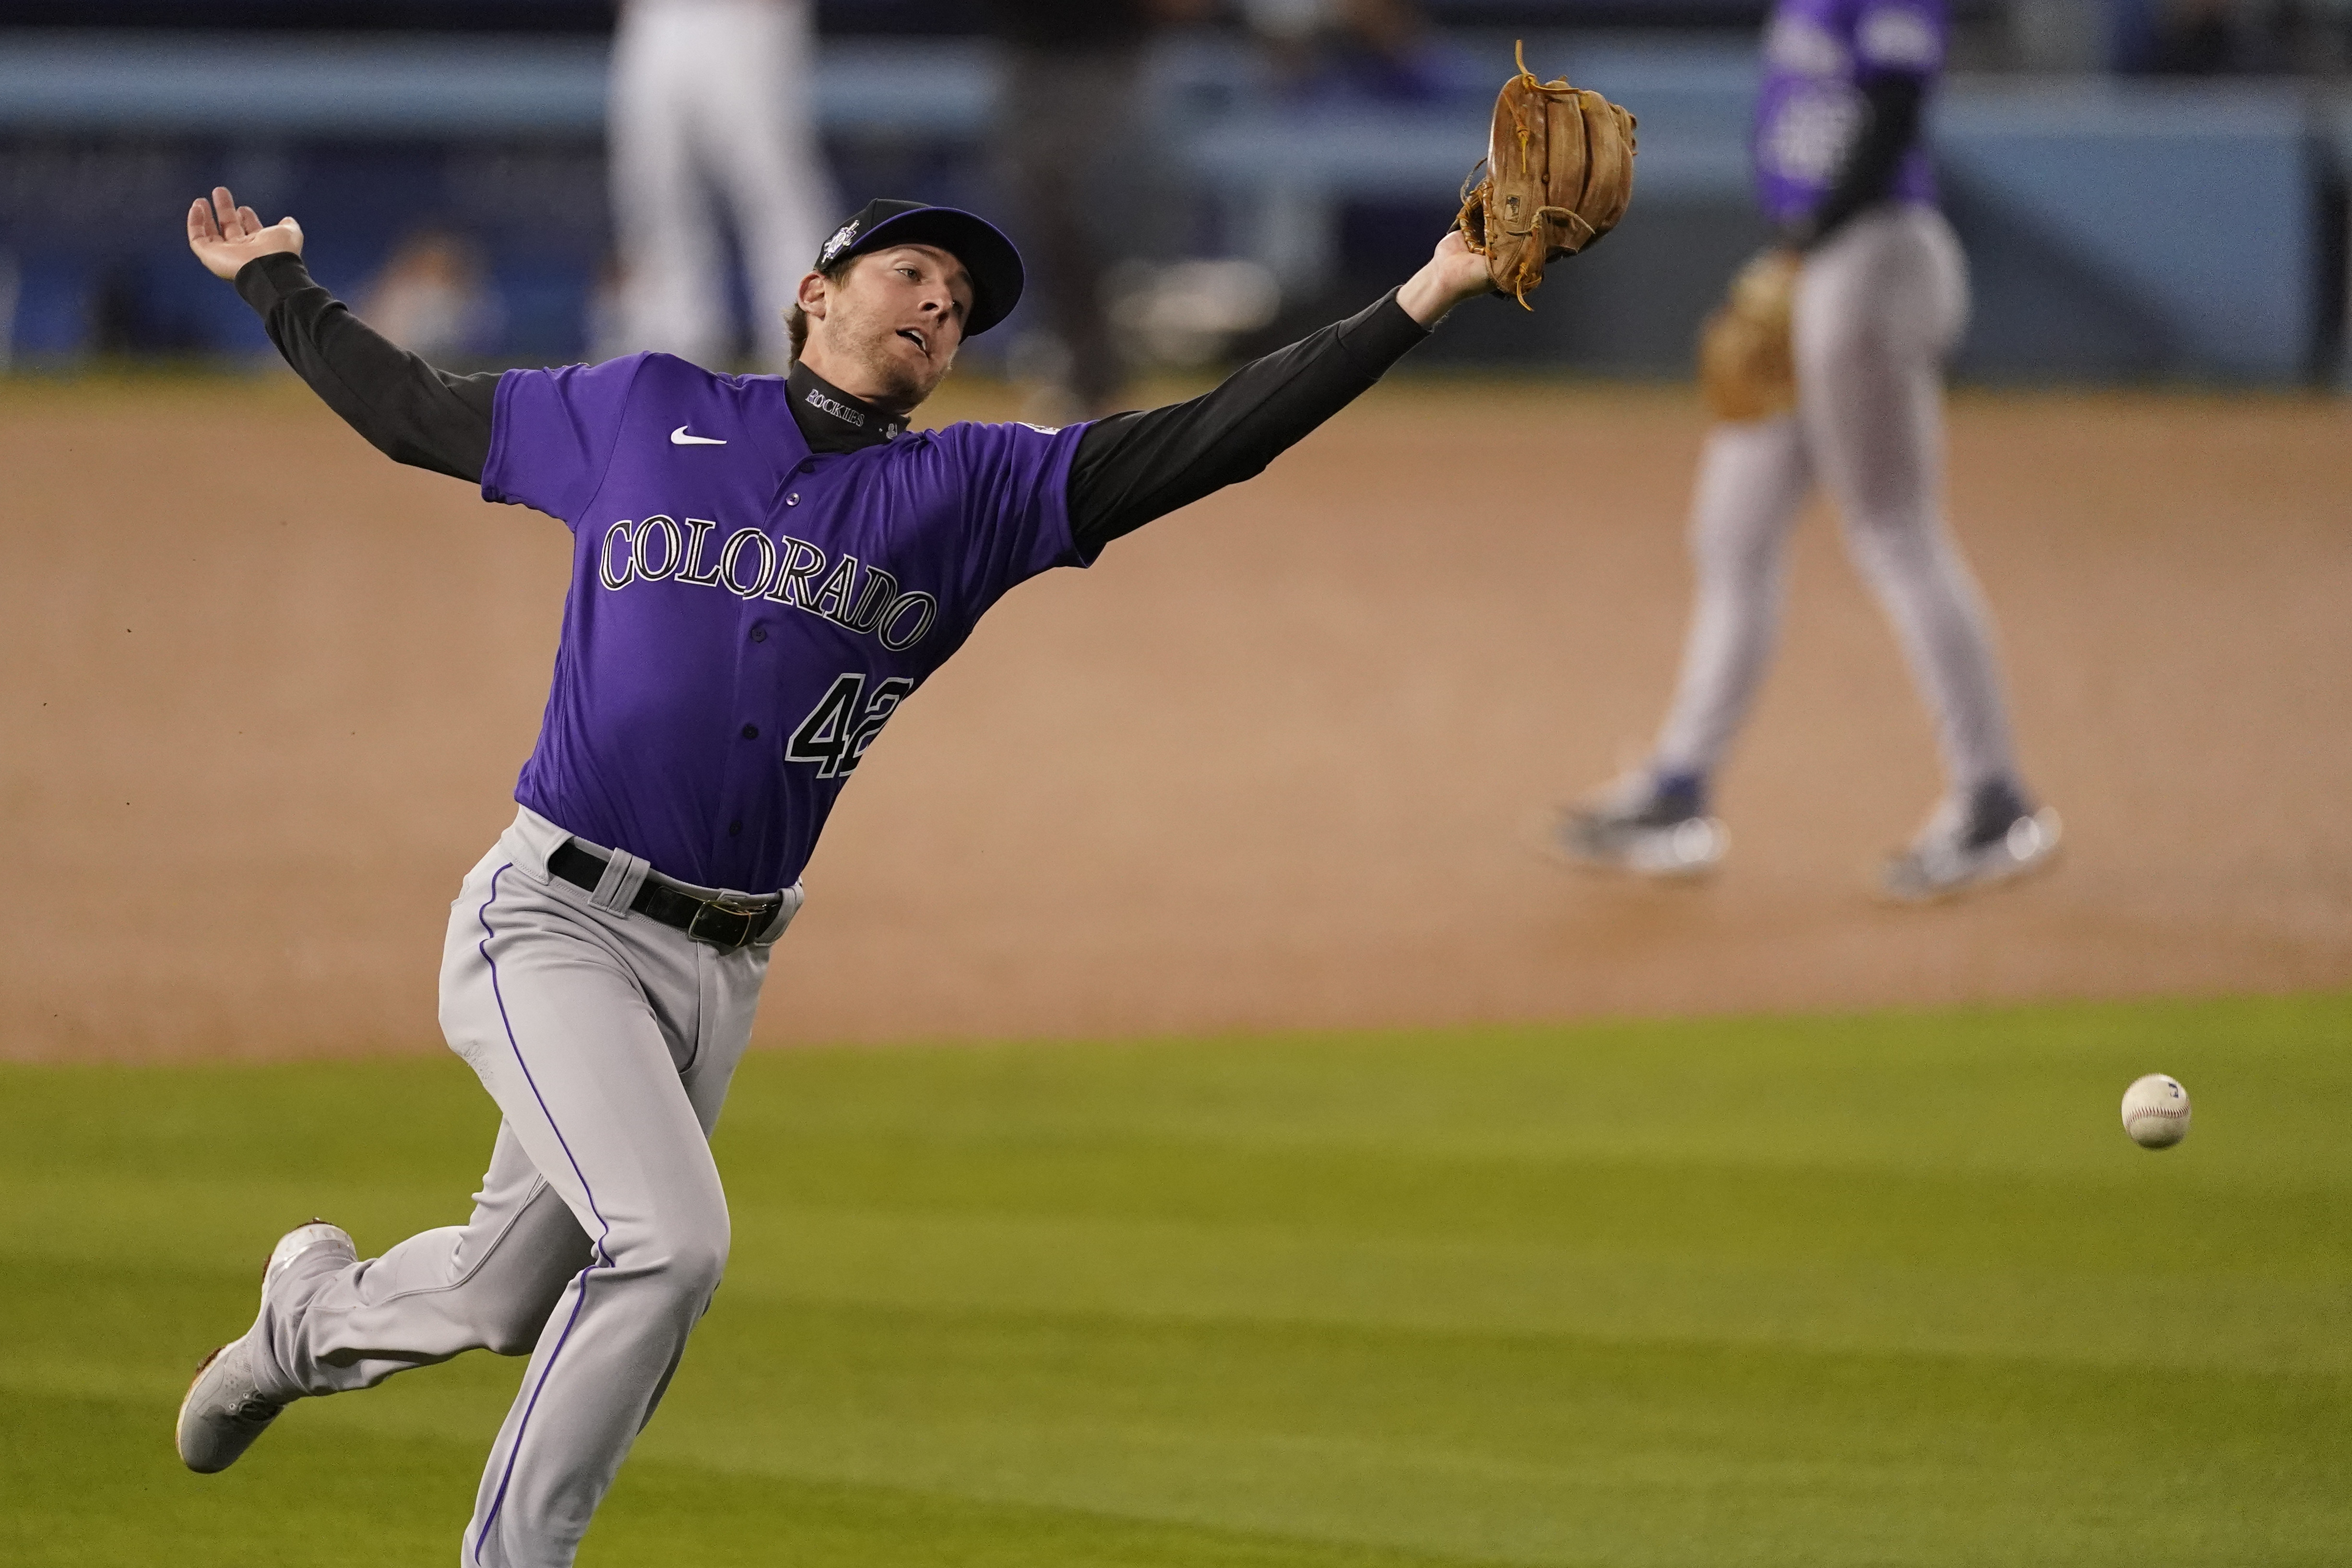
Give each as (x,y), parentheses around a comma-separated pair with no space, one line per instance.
(745,615)
(1817,53)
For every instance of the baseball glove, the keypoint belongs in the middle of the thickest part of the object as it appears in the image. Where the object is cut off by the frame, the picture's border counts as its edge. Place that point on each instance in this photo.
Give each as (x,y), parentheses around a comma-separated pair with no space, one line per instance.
(1559,170)
(1747,369)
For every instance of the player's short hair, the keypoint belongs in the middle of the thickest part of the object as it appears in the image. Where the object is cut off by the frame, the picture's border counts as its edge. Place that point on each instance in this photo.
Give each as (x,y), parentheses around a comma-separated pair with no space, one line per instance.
(796,319)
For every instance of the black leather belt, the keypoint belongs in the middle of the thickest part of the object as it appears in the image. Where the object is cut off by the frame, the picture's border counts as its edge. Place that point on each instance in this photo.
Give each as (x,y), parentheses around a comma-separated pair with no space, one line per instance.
(728,922)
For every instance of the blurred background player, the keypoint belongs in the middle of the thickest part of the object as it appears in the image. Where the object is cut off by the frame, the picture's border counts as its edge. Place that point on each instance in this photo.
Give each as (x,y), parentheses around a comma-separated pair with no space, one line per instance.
(1066,140)
(1880,297)
(712,100)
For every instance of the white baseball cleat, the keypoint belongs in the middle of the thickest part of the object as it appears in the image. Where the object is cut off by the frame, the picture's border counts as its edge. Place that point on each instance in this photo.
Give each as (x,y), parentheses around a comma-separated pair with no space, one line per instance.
(225,1411)
(1951,856)
(1636,827)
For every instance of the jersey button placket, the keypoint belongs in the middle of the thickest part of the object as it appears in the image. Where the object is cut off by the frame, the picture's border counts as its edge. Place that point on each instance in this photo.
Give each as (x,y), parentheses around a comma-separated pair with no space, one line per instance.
(750,774)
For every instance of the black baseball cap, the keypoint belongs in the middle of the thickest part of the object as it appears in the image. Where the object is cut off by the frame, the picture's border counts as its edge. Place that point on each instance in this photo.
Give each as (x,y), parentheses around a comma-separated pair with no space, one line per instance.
(987,256)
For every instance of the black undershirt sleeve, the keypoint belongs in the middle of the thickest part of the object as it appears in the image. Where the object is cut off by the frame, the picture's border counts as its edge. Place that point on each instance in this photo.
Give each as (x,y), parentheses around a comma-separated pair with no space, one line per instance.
(1133,467)
(409,410)
(1887,133)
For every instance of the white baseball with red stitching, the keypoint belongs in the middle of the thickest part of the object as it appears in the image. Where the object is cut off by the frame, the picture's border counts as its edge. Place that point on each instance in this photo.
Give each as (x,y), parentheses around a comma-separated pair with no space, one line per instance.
(2156,1111)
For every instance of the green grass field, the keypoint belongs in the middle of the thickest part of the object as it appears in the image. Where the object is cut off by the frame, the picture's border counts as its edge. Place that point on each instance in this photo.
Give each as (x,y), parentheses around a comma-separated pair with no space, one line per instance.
(1891,1289)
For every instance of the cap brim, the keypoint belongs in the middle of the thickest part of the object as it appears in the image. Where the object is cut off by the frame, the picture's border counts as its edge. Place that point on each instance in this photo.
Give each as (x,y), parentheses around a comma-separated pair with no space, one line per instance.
(988,257)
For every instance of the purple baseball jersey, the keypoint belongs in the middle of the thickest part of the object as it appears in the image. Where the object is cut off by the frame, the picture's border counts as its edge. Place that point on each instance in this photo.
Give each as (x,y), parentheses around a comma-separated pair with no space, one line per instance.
(745,615)
(1817,53)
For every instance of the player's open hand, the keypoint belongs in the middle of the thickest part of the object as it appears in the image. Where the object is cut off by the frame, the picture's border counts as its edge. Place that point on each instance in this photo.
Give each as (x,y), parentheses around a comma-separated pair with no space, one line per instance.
(1455,273)
(225,236)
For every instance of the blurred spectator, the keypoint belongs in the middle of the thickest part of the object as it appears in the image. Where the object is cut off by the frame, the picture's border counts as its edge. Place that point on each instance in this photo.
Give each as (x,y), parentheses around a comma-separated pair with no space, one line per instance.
(433,299)
(712,98)
(1066,138)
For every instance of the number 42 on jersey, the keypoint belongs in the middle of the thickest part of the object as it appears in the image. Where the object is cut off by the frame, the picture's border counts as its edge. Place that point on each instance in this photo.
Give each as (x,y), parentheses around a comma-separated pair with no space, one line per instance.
(845,722)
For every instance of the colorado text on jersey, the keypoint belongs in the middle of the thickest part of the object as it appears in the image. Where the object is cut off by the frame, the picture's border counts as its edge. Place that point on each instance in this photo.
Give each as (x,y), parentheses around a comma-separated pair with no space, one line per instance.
(786,570)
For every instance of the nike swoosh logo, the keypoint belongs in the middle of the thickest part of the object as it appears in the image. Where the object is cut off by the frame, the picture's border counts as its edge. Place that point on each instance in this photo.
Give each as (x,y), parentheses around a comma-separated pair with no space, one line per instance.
(679,437)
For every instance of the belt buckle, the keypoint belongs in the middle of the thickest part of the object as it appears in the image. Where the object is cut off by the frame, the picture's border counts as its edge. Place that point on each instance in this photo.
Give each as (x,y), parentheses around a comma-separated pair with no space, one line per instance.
(748,912)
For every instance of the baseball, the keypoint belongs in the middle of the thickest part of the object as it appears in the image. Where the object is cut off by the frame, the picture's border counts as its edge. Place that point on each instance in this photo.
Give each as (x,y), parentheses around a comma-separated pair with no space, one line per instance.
(2156,1111)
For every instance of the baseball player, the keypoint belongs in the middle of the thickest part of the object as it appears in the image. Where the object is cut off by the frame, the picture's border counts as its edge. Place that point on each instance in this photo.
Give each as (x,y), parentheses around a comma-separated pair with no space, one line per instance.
(763,569)
(1866,295)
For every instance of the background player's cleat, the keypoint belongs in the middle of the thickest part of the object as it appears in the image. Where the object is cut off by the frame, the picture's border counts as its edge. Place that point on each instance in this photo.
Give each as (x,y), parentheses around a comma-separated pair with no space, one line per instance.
(1961,849)
(1649,826)
(225,1410)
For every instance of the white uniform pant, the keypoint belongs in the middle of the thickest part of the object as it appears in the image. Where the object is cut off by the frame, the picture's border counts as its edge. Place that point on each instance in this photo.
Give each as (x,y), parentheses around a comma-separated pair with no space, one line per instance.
(713,98)
(607,1041)
(1877,308)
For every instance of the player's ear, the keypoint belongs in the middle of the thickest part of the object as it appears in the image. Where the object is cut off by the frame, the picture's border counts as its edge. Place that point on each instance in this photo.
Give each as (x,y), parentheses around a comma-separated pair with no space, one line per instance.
(812,293)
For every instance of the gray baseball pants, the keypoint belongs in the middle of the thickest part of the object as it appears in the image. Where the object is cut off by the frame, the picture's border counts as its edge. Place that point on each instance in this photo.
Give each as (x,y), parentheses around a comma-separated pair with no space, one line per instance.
(607,1041)
(1877,308)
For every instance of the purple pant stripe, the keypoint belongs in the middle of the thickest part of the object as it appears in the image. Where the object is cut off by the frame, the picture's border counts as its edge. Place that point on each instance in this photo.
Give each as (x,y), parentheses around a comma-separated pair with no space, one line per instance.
(603,1258)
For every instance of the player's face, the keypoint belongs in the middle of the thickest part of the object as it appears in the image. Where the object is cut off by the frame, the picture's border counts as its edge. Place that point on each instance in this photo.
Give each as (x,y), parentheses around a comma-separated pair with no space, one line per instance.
(894,320)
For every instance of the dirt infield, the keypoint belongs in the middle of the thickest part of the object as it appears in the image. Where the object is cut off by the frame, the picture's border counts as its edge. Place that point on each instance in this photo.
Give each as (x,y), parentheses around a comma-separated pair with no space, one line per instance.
(1271,763)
